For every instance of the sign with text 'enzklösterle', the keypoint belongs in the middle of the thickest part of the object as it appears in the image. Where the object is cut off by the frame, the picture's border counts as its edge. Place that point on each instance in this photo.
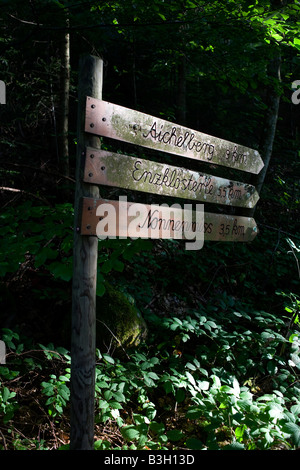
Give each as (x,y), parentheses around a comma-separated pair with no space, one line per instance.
(122,171)
(120,123)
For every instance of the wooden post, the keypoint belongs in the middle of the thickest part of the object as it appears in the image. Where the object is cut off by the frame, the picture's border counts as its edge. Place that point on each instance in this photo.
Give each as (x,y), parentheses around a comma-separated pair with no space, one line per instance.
(85,254)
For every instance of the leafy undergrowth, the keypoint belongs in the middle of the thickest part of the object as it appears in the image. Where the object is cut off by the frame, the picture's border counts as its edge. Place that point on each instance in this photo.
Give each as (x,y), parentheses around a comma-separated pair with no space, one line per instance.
(222,377)
(218,370)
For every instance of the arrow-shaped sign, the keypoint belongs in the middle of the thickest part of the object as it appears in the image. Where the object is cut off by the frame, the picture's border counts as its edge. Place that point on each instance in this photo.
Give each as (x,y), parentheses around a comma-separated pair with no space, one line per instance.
(120,123)
(96,221)
(112,169)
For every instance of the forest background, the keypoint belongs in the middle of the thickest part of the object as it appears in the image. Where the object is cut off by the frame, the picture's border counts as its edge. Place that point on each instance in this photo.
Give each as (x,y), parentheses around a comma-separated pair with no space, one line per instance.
(213,359)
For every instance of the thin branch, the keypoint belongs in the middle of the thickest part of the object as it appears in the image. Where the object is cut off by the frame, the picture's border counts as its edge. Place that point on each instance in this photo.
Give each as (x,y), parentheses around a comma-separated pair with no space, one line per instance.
(117,339)
(42,170)
(21,191)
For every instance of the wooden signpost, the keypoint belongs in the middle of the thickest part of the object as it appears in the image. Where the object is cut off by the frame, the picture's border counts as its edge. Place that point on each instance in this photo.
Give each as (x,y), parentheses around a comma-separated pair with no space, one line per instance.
(85,256)
(98,118)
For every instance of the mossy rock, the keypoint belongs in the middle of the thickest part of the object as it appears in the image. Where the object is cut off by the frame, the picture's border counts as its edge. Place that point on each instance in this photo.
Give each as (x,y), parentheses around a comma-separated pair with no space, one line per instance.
(119,325)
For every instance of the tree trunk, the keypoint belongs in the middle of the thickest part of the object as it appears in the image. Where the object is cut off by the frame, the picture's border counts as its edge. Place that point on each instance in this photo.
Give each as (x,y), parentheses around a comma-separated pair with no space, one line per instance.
(267,141)
(63,131)
(181,115)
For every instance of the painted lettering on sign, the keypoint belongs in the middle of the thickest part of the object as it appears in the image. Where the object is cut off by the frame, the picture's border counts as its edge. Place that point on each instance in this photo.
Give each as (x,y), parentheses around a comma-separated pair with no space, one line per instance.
(151,224)
(112,169)
(154,220)
(174,138)
(127,125)
(172,178)
(136,220)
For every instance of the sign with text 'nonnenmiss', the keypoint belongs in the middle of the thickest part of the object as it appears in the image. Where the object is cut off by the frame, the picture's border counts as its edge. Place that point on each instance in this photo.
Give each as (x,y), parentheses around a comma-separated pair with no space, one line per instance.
(127,125)
(96,221)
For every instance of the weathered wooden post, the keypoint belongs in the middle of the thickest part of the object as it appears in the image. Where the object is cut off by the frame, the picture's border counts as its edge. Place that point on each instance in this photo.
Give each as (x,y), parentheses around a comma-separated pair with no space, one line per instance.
(85,252)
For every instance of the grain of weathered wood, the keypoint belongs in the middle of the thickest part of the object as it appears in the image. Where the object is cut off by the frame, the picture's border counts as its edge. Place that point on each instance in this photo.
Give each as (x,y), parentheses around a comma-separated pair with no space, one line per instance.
(85,251)
(120,123)
(122,171)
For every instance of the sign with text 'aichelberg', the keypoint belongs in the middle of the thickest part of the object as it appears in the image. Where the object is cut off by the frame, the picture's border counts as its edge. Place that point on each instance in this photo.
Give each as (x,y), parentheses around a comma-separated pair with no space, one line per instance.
(120,123)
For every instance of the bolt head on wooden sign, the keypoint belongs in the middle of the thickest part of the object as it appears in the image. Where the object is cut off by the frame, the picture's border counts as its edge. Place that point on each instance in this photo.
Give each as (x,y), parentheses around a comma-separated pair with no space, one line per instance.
(216,227)
(117,122)
(122,171)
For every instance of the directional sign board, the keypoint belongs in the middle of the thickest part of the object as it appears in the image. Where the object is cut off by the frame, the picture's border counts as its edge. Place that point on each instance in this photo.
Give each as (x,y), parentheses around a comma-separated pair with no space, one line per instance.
(221,227)
(112,169)
(117,122)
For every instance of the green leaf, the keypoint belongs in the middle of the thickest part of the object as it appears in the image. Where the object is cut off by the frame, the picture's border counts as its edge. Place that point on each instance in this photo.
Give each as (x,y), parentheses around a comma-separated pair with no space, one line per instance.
(108,358)
(103,404)
(294,431)
(194,444)
(190,377)
(168,386)
(64,393)
(212,324)
(194,413)
(180,395)
(174,435)
(158,428)
(295,409)
(108,394)
(119,396)
(236,387)
(239,431)
(162,16)
(6,394)
(62,270)
(234,446)
(45,254)
(130,433)
(297,43)
(203,385)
